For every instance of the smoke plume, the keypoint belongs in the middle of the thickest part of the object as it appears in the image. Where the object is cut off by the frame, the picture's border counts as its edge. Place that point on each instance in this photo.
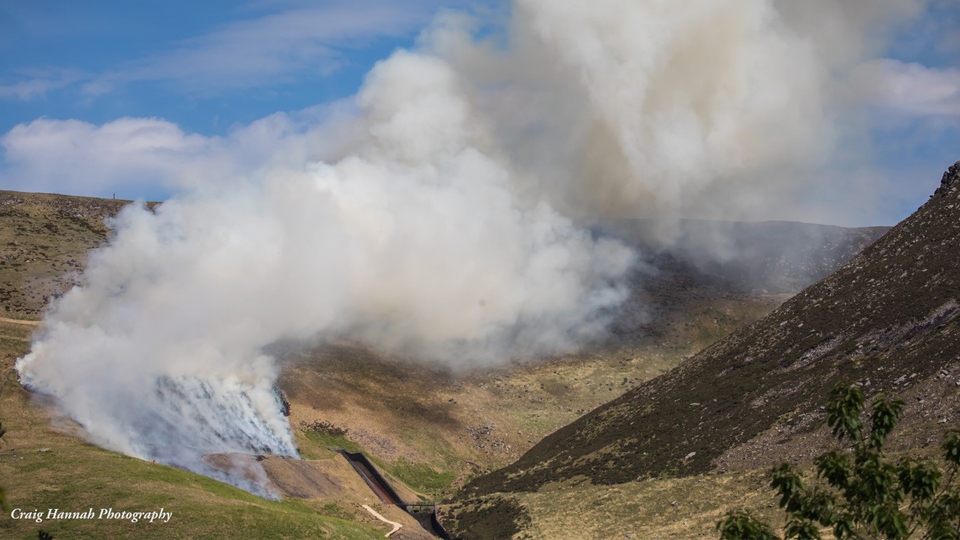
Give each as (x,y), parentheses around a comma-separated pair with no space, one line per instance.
(442,225)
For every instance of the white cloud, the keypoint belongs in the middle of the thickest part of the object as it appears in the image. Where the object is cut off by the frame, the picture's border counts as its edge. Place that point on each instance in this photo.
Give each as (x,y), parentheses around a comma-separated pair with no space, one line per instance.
(38,83)
(141,157)
(909,87)
(269,49)
(75,157)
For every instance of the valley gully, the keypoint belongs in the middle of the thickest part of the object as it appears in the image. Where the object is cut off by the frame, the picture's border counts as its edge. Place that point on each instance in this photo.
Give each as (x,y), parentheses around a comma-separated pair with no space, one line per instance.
(103,513)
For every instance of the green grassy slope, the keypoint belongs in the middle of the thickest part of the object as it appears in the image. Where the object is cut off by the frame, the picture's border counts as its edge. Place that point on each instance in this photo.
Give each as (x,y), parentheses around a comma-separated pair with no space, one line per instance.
(43,466)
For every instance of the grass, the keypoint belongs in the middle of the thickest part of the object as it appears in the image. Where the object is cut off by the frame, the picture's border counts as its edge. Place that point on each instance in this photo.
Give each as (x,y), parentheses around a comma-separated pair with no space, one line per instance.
(42,468)
(420,476)
(73,477)
(20,317)
(326,441)
(679,508)
(434,432)
(887,321)
(419,426)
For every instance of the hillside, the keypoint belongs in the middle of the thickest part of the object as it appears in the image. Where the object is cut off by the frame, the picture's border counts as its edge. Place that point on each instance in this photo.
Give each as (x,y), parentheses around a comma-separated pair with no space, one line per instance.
(758,257)
(45,463)
(487,418)
(710,262)
(886,320)
(427,428)
(44,240)
(462,424)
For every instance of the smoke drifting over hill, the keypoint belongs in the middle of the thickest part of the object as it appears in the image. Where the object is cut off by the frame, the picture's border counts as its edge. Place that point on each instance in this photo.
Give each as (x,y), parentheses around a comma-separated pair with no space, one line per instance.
(441,225)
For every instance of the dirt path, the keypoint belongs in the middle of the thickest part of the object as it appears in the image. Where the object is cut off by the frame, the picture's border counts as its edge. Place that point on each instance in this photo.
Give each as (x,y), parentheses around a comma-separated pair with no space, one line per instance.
(396,526)
(19,321)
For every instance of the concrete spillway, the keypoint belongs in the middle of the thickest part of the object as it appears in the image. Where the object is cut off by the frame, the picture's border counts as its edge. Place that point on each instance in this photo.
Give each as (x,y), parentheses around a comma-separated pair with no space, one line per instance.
(372,477)
(424,513)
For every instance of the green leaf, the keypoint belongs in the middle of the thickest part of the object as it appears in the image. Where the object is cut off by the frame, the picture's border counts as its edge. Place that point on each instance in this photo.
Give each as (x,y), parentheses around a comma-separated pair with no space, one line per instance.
(835,468)
(843,411)
(740,525)
(788,483)
(818,505)
(886,414)
(943,519)
(951,447)
(844,527)
(802,530)
(893,523)
(919,480)
(876,480)
(862,495)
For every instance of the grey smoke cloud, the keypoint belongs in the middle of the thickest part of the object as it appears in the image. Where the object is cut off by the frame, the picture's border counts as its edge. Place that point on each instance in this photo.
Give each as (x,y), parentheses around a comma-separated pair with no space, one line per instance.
(704,109)
(442,225)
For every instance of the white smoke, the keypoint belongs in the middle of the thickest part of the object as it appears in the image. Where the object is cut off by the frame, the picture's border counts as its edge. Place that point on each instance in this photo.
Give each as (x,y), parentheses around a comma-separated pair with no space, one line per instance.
(717,109)
(416,242)
(440,226)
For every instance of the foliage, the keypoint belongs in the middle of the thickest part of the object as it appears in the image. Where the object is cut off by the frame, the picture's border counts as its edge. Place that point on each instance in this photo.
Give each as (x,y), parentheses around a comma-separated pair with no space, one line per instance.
(740,524)
(859,493)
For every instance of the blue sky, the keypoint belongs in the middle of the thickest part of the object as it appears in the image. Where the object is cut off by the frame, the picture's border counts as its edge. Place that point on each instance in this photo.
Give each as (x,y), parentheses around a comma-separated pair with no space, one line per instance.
(205,68)
(203,65)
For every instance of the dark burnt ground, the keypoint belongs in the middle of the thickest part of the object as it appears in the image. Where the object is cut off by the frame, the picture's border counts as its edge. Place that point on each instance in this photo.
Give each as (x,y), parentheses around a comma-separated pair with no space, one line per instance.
(691,280)
(747,257)
(494,518)
(888,319)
